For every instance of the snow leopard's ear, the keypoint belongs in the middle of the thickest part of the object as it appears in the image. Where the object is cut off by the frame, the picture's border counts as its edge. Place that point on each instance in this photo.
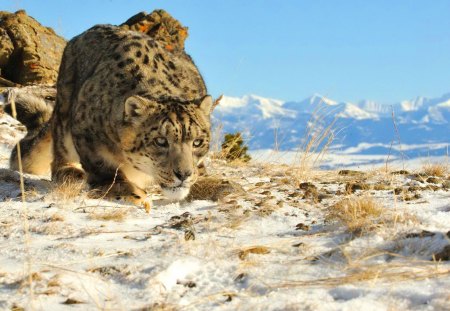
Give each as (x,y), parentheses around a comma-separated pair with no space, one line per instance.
(138,108)
(205,105)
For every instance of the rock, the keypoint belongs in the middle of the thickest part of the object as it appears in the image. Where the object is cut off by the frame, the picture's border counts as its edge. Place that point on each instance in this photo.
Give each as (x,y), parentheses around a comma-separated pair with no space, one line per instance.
(446,184)
(28,59)
(414,188)
(350,173)
(411,197)
(433,180)
(302,226)
(443,255)
(161,26)
(324,196)
(352,187)
(310,191)
(400,172)
(422,234)
(213,189)
(307,186)
(419,177)
(6,47)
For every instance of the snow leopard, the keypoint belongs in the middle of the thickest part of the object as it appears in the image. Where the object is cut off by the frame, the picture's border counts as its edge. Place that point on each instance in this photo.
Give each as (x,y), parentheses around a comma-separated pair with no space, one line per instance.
(128,112)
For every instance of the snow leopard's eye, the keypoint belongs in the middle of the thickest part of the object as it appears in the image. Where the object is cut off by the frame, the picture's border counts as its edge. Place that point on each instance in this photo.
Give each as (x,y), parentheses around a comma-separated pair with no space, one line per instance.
(161,142)
(197,143)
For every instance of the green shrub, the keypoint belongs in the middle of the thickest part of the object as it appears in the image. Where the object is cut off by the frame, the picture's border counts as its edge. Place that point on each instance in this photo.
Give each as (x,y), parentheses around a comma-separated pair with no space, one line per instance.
(233,148)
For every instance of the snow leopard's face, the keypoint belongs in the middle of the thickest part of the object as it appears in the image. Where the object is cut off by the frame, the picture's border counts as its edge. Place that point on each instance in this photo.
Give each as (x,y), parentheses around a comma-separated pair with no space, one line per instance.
(170,139)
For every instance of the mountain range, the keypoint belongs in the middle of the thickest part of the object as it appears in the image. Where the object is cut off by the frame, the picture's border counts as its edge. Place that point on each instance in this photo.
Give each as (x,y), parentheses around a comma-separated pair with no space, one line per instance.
(416,127)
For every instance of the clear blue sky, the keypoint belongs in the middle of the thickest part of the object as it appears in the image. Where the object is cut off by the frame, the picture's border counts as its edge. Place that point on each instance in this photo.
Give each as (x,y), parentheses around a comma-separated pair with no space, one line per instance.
(384,50)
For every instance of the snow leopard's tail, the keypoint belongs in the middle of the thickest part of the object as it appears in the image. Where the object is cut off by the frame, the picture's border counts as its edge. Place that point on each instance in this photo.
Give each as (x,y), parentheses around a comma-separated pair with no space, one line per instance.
(34,112)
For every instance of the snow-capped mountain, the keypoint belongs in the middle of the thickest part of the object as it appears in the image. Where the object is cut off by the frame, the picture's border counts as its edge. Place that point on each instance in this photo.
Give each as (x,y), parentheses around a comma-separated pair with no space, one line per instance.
(366,126)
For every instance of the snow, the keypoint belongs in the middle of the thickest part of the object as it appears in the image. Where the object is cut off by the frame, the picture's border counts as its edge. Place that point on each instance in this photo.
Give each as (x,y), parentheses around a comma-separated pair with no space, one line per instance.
(267,107)
(351,159)
(249,252)
(354,112)
(419,121)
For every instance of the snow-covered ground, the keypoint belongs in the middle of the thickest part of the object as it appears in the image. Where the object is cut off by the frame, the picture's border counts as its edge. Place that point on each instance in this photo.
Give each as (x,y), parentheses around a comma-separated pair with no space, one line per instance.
(272,246)
(344,160)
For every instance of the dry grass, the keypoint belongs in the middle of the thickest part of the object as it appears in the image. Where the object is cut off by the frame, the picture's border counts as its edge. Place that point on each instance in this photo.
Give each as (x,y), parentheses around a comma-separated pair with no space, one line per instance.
(381,272)
(68,190)
(358,214)
(216,140)
(316,141)
(54,218)
(258,249)
(117,214)
(11,98)
(435,169)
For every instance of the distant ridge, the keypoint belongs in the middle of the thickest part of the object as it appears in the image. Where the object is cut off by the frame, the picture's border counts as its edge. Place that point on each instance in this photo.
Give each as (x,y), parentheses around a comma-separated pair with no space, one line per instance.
(421,122)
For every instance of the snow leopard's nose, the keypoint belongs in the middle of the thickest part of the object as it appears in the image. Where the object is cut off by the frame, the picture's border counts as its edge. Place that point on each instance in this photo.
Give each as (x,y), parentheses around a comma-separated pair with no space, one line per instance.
(182,175)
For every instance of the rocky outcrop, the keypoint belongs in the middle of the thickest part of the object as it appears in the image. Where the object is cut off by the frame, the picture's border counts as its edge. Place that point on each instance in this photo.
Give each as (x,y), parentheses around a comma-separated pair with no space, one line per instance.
(161,26)
(29,52)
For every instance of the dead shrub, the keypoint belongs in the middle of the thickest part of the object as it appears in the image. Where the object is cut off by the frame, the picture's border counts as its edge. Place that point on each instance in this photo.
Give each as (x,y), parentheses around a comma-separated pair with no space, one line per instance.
(358,214)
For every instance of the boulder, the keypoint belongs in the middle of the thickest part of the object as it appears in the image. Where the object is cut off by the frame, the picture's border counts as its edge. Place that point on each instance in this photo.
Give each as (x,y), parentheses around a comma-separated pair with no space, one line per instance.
(29,52)
(161,26)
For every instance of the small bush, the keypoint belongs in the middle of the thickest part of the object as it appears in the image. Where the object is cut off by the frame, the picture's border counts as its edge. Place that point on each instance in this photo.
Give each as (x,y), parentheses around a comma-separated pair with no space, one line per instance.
(233,148)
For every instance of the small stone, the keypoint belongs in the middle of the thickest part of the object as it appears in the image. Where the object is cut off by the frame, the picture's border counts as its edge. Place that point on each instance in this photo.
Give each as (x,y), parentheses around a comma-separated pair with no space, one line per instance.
(400,172)
(323,196)
(352,187)
(294,194)
(350,173)
(414,188)
(422,234)
(307,185)
(71,301)
(298,244)
(433,180)
(213,189)
(240,277)
(418,177)
(302,226)
(443,255)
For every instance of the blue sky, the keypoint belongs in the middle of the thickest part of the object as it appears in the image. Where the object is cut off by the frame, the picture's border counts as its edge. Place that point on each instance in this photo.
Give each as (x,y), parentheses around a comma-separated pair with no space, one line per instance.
(289,49)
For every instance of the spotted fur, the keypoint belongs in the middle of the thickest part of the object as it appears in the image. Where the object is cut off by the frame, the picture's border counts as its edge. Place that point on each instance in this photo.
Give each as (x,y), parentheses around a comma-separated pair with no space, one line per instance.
(129,111)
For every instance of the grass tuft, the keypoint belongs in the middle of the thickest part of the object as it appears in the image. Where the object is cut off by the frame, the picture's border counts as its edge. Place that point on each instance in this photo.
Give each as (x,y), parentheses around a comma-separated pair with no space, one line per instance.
(68,190)
(358,214)
(117,214)
(435,169)
(316,141)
